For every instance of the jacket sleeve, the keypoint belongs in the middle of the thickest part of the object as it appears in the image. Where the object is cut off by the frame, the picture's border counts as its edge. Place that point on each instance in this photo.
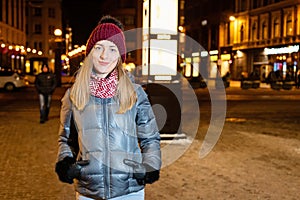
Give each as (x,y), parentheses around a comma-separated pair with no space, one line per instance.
(54,83)
(147,131)
(64,149)
(37,83)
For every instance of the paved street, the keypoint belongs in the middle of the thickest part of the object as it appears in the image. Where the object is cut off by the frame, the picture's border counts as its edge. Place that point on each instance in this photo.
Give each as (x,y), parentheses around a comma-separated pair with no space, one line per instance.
(29,149)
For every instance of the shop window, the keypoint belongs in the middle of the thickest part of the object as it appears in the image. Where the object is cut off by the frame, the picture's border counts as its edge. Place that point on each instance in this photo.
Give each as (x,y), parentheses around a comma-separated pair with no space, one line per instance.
(289,25)
(276,28)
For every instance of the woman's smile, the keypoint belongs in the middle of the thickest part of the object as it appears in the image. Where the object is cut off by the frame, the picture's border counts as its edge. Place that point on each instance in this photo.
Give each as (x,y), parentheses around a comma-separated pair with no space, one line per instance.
(103,63)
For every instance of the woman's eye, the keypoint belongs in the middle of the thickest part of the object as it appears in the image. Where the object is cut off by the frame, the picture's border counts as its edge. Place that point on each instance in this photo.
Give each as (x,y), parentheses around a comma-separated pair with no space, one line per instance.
(98,48)
(113,50)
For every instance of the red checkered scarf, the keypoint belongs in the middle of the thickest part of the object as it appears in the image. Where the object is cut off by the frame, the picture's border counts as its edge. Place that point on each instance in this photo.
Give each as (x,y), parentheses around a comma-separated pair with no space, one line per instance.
(104,87)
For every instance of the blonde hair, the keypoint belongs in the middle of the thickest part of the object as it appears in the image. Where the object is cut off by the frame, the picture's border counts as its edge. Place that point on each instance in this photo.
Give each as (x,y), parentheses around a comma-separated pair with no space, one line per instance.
(80,91)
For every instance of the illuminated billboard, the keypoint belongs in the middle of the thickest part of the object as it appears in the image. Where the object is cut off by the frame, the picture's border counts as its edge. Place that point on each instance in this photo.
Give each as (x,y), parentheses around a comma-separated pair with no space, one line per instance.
(160,38)
(164,15)
(163,60)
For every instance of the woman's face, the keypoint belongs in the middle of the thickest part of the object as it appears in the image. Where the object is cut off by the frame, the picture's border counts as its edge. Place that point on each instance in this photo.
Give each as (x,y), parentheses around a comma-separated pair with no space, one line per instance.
(105,57)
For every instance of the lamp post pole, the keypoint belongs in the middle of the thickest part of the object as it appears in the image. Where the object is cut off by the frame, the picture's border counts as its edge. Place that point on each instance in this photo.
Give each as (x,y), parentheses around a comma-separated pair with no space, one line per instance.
(58,52)
(58,63)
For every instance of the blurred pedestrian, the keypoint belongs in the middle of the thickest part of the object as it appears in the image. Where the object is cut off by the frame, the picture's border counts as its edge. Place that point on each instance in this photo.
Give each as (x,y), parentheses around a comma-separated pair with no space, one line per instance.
(45,83)
(272,78)
(254,75)
(119,142)
(288,76)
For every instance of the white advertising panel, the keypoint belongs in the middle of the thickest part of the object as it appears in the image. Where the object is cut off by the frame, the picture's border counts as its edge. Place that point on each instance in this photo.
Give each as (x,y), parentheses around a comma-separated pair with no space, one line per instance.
(163,57)
(164,15)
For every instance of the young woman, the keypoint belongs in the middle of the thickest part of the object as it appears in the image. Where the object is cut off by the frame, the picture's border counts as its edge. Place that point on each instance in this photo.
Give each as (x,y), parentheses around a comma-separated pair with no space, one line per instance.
(119,143)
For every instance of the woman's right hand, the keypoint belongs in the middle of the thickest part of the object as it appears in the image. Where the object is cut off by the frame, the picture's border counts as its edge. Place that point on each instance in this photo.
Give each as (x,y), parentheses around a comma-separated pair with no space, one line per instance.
(75,169)
(68,169)
(62,167)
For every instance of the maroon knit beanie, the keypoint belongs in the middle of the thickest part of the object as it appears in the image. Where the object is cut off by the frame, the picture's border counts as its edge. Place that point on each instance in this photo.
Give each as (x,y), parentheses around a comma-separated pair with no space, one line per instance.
(110,32)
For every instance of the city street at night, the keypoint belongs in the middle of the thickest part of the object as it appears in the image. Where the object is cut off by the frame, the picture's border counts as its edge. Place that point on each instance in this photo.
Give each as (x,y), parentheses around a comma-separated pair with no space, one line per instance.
(256,157)
(222,77)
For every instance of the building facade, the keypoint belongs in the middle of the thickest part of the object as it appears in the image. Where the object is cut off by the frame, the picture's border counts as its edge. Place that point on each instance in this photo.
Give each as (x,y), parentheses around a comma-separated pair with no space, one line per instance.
(262,36)
(12,34)
(42,18)
(202,25)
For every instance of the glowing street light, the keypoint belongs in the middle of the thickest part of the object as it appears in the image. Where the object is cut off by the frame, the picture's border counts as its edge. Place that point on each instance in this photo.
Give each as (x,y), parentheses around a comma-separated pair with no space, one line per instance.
(58,51)
(58,32)
(232,18)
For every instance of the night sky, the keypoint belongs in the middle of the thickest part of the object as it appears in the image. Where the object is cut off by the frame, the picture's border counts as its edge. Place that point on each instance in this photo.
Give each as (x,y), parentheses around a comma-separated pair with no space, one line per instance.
(82,16)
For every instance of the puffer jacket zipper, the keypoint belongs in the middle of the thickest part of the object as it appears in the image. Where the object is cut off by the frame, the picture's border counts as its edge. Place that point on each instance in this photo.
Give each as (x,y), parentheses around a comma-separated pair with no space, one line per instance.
(107,150)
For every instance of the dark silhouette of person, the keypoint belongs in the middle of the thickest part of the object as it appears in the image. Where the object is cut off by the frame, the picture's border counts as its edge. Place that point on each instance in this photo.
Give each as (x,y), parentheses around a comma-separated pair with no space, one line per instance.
(45,83)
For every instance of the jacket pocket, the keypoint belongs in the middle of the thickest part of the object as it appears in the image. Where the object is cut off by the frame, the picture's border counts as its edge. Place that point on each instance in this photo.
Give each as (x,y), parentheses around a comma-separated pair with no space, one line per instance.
(124,122)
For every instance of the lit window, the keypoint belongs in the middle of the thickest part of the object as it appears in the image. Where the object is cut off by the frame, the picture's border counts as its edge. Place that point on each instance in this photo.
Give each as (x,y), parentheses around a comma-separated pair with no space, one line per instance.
(242,33)
(264,31)
(289,25)
(276,28)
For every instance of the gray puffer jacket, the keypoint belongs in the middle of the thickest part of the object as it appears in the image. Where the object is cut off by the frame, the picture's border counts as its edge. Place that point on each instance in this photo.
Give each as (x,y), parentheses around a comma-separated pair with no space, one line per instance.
(105,139)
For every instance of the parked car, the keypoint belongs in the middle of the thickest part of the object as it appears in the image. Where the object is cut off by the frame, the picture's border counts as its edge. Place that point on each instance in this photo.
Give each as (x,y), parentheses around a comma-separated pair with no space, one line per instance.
(11,80)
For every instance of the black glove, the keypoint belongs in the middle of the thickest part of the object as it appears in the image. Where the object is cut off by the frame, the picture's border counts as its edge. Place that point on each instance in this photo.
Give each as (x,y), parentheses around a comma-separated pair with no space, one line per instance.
(68,169)
(152,174)
(143,173)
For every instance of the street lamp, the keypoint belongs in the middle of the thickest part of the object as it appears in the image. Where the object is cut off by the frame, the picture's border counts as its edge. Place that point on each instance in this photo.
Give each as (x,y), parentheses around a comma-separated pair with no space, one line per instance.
(58,51)
(231,18)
